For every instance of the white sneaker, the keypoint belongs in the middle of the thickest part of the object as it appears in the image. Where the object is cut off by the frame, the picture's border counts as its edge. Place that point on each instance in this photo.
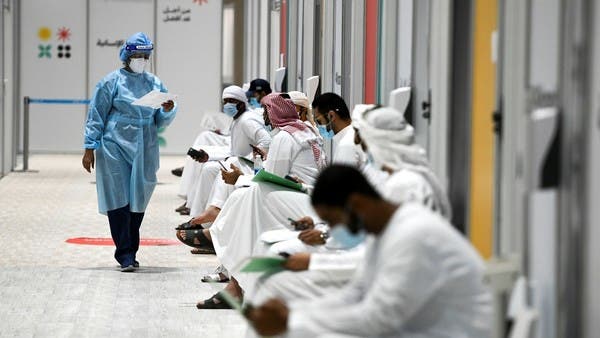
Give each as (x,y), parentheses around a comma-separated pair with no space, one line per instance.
(128,268)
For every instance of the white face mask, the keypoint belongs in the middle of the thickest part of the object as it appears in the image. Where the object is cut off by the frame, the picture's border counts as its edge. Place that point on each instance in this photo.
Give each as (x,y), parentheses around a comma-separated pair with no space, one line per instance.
(138,65)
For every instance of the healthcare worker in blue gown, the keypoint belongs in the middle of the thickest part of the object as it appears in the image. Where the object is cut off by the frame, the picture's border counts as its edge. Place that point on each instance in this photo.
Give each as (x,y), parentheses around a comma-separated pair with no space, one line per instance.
(125,139)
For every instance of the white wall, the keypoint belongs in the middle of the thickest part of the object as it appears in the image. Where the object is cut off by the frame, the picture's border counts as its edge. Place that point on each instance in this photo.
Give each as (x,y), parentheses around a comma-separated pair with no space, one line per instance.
(54,127)
(187,59)
(189,63)
(105,39)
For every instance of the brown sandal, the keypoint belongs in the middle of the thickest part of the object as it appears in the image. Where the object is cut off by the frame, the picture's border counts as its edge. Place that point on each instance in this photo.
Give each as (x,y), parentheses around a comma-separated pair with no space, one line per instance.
(203,251)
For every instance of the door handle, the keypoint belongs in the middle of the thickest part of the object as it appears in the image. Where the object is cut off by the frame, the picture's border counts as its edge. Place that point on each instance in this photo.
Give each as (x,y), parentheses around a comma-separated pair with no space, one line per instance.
(426,107)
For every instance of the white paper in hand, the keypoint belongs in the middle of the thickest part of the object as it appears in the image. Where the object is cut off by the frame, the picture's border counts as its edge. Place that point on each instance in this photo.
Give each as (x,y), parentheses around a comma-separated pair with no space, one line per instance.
(279,235)
(154,99)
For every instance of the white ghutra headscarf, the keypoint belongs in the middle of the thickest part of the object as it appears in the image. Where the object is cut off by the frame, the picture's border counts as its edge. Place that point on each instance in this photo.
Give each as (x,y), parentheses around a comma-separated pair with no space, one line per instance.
(390,141)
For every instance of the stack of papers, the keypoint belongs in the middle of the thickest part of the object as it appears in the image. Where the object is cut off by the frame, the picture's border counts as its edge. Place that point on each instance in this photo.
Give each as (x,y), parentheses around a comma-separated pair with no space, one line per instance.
(154,99)
(217,153)
(279,235)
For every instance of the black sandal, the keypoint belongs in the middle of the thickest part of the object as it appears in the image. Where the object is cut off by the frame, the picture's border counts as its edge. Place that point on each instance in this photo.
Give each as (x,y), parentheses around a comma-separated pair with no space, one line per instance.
(197,234)
(189,226)
(212,304)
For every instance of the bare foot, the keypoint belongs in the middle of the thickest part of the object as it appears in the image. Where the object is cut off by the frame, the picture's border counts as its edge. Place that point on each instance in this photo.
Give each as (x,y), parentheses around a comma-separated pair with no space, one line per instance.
(209,215)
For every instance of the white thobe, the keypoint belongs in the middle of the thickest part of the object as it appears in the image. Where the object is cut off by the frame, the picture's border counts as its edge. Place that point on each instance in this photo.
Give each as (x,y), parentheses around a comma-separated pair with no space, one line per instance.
(248,129)
(245,130)
(192,168)
(286,157)
(407,185)
(344,149)
(420,278)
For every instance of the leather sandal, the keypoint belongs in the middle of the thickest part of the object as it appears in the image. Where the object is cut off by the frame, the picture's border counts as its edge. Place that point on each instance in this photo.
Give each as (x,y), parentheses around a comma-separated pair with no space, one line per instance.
(203,251)
(216,302)
(195,239)
(188,226)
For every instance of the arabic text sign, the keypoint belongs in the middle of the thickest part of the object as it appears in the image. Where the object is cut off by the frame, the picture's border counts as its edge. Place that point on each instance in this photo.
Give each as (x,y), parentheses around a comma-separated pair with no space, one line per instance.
(176,14)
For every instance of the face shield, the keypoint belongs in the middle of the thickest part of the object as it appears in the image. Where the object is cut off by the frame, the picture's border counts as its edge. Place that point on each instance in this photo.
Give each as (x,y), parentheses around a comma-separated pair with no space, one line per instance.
(137,44)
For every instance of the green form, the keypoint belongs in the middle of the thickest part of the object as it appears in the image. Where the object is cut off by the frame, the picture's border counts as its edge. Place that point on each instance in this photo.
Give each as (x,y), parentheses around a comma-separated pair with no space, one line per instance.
(265,176)
(267,265)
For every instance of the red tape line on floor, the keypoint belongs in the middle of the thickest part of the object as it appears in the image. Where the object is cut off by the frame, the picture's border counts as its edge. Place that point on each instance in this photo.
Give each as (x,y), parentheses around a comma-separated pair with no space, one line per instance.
(109,241)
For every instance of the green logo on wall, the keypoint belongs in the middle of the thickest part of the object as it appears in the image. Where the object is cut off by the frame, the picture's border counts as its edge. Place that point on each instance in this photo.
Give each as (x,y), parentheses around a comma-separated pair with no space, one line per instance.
(162,142)
(44,51)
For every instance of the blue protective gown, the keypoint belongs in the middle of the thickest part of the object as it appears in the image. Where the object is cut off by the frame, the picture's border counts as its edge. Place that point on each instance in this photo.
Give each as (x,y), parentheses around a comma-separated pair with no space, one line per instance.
(125,138)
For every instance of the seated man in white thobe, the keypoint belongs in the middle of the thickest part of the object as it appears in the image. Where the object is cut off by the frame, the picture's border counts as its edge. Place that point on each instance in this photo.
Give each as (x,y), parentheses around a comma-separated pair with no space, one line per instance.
(335,117)
(314,273)
(216,133)
(246,129)
(419,278)
(334,122)
(296,150)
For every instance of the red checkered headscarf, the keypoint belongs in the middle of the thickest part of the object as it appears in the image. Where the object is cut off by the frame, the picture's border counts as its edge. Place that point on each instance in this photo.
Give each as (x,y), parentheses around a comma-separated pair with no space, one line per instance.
(282,114)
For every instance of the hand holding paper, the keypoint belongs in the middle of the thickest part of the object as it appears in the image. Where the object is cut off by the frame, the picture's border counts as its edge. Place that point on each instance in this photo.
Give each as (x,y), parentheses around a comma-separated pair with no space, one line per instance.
(154,99)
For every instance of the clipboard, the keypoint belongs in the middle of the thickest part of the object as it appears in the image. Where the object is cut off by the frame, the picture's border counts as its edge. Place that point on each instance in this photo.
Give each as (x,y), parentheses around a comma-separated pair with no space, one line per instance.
(265,176)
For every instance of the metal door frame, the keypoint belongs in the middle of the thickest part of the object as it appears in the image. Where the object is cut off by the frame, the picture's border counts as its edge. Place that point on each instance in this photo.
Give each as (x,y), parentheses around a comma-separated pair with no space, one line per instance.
(575,102)
(2,91)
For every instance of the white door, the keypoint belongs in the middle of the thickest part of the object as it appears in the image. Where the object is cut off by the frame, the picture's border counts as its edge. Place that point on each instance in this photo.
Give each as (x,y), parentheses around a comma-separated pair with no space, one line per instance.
(439,78)
(421,99)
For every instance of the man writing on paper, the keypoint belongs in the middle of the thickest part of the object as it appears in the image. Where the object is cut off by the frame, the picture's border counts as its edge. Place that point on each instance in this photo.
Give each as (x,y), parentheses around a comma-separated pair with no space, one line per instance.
(317,269)
(419,278)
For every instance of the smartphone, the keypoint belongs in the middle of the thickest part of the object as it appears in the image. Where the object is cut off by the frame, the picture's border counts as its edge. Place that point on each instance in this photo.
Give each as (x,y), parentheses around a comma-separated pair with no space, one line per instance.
(255,148)
(288,177)
(197,154)
(297,226)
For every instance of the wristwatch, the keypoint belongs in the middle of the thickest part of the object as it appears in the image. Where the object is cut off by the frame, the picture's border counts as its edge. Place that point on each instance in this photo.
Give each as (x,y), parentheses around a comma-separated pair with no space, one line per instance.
(324,235)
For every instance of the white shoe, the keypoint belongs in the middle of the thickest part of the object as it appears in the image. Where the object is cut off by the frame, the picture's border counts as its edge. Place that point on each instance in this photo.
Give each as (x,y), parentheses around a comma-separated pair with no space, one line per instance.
(128,268)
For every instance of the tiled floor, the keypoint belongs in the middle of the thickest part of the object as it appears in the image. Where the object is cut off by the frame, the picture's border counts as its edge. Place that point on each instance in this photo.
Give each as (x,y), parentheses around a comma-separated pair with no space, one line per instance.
(49,288)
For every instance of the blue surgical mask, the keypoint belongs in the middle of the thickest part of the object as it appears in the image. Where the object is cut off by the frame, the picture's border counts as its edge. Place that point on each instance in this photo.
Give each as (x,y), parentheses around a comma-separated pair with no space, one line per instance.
(230,109)
(327,134)
(344,238)
(370,159)
(254,103)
